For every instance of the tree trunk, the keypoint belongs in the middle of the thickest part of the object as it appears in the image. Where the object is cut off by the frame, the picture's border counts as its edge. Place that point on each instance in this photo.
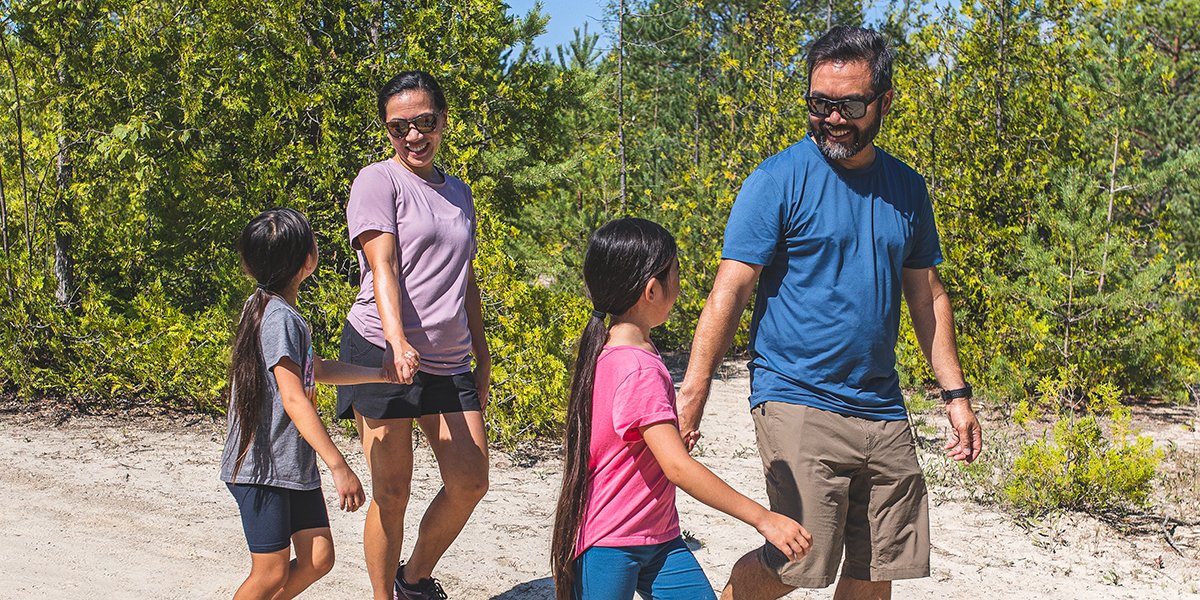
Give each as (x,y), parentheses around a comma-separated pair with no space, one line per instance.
(64,267)
(621,95)
(20,153)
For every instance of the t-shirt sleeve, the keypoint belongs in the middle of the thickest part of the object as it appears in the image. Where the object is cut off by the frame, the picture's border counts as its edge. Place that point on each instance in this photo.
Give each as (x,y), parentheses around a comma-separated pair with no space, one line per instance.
(372,204)
(283,334)
(644,398)
(926,247)
(756,221)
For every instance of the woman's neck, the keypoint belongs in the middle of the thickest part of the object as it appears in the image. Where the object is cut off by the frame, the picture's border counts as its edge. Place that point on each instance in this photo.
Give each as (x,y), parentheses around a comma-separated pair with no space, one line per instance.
(430,173)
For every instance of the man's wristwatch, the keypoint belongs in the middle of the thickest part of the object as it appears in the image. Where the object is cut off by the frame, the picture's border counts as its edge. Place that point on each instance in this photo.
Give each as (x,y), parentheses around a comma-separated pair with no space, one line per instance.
(962,392)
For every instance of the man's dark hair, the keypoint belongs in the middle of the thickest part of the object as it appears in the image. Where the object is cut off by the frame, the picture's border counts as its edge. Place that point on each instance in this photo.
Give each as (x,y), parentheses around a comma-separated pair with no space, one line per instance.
(847,44)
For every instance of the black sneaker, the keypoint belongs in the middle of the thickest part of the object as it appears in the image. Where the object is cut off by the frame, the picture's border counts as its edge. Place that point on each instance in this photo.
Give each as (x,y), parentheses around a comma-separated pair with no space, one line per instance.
(423,589)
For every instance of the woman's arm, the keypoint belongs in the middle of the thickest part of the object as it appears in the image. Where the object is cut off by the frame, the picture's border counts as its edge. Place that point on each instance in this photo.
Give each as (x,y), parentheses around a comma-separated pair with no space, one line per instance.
(308,423)
(694,478)
(400,359)
(479,343)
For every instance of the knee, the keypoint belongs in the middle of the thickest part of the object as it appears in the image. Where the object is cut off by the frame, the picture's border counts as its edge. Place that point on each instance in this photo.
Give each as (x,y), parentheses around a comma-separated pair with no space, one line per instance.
(272,577)
(323,561)
(468,490)
(391,496)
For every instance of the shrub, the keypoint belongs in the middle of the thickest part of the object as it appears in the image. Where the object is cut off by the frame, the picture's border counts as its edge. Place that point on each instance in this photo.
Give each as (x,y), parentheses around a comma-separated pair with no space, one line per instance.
(1077,465)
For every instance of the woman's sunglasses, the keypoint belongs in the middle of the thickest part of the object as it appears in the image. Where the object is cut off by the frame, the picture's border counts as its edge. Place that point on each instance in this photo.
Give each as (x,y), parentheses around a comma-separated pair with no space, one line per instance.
(849,108)
(398,127)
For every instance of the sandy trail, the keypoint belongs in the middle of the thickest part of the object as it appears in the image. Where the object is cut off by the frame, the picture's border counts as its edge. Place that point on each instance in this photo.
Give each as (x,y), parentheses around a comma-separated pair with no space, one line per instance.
(102,511)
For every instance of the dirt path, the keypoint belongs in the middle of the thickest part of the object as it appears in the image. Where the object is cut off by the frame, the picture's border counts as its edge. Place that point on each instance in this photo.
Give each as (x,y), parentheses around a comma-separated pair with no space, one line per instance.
(102,511)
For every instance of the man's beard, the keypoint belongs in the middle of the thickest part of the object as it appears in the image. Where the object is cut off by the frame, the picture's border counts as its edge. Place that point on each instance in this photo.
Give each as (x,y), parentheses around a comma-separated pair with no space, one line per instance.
(860,139)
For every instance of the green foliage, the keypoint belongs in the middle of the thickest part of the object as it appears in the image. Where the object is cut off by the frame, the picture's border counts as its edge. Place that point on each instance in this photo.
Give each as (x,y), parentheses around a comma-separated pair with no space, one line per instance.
(1079,465)
(1058,140)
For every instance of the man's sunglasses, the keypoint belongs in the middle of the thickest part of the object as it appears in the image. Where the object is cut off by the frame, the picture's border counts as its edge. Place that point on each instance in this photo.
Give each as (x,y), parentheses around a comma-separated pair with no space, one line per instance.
(398,127)
(849,108)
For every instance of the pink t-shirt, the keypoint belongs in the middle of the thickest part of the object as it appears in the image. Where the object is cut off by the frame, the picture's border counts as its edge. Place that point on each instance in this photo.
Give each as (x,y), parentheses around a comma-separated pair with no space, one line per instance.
(434,225)
(630,502)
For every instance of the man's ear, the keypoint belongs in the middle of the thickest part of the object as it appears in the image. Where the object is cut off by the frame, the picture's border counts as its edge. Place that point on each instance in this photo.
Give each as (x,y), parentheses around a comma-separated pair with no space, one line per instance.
(885,105)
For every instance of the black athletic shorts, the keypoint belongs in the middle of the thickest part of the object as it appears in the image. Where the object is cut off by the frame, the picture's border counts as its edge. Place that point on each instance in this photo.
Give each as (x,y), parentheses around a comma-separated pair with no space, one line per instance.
(270,515)
(428,394)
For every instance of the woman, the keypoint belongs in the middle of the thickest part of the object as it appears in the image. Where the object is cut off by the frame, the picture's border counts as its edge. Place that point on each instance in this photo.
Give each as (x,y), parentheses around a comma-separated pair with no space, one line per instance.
(418,313)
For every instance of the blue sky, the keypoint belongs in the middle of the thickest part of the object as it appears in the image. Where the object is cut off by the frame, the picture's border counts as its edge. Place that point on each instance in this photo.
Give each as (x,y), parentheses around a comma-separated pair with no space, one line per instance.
(566,15)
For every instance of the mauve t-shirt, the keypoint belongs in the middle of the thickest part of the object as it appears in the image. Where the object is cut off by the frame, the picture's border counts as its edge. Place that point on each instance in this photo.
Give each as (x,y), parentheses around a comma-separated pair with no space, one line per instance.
(434,225)
(630,500)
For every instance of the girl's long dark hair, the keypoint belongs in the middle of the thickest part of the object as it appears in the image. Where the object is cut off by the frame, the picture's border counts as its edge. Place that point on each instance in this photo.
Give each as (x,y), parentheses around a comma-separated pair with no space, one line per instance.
(273,248)
(621,257)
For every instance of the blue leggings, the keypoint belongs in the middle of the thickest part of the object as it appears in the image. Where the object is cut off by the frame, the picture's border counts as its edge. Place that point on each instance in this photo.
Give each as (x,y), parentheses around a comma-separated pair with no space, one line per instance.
(666,571)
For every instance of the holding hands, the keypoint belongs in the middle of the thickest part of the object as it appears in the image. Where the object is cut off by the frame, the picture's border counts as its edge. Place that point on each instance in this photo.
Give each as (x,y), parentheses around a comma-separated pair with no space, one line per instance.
(400,364)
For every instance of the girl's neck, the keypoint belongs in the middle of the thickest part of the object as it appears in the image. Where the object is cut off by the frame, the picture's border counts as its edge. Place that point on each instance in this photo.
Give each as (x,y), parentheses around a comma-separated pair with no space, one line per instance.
(289,294)
(630,333)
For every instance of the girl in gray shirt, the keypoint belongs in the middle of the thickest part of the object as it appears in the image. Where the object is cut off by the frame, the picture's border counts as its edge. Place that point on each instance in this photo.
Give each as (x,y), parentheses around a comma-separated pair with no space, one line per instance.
(275,433)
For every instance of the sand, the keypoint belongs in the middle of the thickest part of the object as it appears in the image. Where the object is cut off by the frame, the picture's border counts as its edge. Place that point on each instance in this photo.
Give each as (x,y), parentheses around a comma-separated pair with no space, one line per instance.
(97,509)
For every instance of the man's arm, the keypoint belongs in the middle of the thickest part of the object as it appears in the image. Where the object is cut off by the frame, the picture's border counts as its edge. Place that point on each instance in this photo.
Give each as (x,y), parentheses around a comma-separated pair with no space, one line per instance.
(714,333)
(933,322)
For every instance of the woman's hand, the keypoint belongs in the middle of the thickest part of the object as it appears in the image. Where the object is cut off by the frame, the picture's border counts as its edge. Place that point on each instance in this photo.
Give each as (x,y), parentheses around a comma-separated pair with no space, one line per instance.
(401,363)
(483,383)
(350,491)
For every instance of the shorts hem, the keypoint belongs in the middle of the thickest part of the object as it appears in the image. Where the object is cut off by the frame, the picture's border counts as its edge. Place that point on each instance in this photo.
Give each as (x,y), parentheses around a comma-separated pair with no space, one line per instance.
(271,549)
(886,574)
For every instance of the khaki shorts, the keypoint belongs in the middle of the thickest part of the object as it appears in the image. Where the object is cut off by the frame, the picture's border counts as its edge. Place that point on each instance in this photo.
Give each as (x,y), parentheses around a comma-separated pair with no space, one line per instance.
(854,484)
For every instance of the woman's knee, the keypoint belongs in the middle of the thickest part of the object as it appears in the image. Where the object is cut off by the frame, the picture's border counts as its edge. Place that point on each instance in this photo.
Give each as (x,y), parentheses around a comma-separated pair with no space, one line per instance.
(391,494)
(468,489)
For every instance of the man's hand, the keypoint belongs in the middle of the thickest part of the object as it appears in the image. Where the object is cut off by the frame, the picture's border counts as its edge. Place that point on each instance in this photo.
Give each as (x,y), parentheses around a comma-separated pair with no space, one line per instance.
(966,437)
(691,409)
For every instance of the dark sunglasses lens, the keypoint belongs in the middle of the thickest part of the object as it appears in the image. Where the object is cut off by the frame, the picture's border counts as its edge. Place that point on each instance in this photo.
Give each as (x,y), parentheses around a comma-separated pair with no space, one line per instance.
(853,109)
(819,107)
(425,123)
(396,128)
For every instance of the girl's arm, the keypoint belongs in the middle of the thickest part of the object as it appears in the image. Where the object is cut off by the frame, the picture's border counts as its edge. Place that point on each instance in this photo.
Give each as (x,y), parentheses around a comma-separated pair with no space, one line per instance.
(336,372)
(308,423)
(665,443)
(479,344)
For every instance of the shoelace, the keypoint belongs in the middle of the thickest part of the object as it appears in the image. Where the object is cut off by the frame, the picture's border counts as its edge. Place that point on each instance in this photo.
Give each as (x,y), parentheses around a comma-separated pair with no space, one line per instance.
(433,589)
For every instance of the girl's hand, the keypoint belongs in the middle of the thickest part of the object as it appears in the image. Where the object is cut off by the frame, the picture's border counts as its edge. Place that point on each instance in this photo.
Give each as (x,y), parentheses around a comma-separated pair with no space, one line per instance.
(350,491)
(787,535)
(386,376)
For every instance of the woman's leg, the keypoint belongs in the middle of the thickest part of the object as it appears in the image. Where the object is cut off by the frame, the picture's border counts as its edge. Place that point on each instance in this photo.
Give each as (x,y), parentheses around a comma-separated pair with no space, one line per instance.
(674,574)
(314,558)
(268,574)
(387,444)
(459,442)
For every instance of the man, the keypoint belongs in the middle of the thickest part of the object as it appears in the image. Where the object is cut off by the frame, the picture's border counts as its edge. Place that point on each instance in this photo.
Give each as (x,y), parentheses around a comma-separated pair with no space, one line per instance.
(832,230)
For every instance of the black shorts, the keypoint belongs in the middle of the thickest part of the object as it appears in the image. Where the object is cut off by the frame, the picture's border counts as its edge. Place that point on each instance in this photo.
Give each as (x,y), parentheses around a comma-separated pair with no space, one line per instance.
(428,394)
(270,515)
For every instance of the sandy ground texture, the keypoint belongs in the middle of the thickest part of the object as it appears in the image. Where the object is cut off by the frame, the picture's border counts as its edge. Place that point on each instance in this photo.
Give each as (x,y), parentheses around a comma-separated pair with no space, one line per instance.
(94,509)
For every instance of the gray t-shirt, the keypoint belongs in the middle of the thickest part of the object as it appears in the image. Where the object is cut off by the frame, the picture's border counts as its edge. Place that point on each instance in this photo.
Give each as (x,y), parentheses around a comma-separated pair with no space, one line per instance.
(277,455)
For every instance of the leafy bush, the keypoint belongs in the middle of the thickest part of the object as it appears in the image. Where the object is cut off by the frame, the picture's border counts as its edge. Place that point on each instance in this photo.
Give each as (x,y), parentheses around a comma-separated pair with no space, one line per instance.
(1078,465)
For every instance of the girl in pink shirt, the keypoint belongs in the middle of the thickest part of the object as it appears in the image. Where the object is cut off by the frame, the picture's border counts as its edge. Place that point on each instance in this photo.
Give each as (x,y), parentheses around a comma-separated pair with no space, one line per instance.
(616,530)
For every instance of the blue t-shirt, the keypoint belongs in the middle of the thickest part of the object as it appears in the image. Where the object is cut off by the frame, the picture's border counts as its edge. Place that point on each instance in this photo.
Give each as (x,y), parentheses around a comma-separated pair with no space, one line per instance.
(832,243)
